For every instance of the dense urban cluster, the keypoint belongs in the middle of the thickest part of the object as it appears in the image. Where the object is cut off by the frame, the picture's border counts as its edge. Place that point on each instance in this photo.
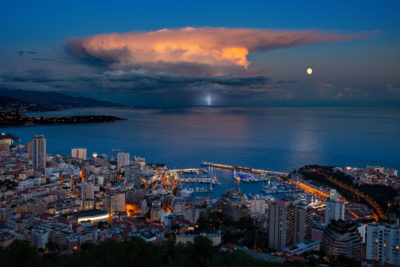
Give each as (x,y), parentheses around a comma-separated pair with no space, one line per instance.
(374,175)
(60,204)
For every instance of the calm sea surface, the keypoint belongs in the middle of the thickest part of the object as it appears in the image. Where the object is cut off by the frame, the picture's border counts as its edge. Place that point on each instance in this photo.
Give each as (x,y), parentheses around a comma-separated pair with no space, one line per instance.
(272,138)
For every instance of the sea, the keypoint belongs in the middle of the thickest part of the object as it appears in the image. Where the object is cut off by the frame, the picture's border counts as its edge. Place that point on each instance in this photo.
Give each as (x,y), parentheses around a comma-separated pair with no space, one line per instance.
(270,138)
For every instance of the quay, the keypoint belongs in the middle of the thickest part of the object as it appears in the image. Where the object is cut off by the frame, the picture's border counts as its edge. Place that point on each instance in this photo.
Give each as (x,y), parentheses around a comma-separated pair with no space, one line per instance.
(283,176)
(203,180)
(191,170)
(240,168)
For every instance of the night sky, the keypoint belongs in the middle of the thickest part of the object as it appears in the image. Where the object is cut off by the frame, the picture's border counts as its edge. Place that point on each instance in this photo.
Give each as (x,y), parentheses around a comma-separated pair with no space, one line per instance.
(167,53)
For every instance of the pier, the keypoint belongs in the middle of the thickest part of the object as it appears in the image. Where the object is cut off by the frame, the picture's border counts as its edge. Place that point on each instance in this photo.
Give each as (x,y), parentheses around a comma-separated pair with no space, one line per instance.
(191,170)
(201,180)
(240,168)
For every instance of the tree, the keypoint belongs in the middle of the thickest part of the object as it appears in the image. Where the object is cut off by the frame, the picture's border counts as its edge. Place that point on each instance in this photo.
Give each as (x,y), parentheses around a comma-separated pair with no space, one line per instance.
(21,253)
(51,246)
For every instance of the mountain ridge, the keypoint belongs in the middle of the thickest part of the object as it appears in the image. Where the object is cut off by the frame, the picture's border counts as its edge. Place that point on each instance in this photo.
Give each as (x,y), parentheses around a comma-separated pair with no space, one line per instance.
(16,100)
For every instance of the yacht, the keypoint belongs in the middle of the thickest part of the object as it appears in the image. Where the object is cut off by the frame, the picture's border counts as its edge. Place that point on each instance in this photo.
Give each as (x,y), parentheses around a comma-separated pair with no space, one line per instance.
(186,192)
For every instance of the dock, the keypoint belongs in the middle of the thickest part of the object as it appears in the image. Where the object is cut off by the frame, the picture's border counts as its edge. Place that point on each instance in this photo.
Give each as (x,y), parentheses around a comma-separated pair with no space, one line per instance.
(191,170)
(240,168)
(201,180)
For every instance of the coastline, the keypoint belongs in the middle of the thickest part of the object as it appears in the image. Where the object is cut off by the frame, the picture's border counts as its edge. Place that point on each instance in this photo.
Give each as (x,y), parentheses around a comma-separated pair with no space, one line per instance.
(10,119)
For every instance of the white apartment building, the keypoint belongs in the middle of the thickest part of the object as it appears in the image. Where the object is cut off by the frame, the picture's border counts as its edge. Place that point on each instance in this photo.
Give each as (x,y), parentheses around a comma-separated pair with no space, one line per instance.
(123,160)
(79,153)
(383,243)
(334,210)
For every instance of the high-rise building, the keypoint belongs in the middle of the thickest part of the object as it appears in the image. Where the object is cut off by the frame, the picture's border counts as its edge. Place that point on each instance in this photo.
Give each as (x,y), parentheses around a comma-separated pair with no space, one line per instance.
(302,223)
(5,143)
(122,160)
(334,210)
(39,237)
(289,223)
(140,161)
(79,153)
(281,224)
(4,147)
(156,211)
(257,206)
(115,202)
(383,243)
(39,152)
(233,205)
(87,190)
(342,238)
(191,214)
(133,174)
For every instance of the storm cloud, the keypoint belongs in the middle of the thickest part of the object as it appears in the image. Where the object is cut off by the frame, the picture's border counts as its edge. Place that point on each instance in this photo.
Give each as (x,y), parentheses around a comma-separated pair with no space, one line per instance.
(189,50)
(184,66)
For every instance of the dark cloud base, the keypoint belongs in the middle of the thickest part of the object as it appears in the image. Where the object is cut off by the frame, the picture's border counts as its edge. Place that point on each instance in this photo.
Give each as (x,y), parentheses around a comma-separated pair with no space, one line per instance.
(134,87)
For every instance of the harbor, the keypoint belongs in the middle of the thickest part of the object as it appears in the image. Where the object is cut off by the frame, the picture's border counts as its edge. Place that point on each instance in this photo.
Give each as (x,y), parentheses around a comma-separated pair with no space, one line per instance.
(218,178)
(214,181)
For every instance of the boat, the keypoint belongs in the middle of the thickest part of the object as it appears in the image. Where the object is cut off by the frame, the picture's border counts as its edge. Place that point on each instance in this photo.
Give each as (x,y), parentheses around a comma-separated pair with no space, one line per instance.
(242,176)
(186,192)
(204,190)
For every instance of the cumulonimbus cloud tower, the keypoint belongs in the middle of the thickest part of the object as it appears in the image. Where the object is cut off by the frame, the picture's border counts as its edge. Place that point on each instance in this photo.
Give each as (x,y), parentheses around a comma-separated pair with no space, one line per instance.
(204,46)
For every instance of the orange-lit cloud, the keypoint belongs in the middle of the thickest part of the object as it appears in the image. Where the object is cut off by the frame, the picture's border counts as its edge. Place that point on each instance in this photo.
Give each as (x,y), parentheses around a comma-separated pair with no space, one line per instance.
(226,47)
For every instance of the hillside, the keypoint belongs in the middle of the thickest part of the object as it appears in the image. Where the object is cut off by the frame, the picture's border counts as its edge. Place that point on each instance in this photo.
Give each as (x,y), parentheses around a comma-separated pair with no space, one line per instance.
(29,101)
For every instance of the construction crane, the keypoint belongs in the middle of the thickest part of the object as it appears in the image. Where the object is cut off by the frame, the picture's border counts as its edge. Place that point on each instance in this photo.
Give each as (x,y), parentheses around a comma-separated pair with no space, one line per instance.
(112,152)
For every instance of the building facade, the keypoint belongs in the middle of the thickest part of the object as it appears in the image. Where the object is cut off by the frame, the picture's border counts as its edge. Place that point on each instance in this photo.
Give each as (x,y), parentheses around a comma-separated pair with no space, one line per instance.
(289,223)
(39,152)
(281,224)
(156,211)
(334,210)
(257,206)
(87,190)
(233,205)
(79,153)
(302,223)
(133,174)
(115,202)
(383,243)
(342,238)
(123,160)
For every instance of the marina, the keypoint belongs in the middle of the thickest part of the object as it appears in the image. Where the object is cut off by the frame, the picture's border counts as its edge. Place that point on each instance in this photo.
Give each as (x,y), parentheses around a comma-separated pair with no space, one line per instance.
(199,180)
(269,185)
(251,182)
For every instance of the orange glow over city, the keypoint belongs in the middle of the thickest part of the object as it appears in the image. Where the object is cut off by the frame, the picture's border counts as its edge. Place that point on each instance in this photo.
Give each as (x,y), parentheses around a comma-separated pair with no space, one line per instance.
(131,209)
(83,177)
(378,213)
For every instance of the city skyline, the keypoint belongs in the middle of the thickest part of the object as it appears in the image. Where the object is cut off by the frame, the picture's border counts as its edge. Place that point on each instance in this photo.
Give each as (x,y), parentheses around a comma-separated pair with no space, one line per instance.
(211,133)
(95,199)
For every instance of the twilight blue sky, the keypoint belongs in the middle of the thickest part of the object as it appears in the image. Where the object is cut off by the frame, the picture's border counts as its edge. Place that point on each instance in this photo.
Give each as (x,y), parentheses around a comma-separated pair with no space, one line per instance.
(362,69)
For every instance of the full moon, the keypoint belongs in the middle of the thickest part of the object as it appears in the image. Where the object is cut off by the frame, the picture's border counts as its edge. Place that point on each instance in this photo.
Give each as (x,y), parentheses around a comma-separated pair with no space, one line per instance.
(309,71)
